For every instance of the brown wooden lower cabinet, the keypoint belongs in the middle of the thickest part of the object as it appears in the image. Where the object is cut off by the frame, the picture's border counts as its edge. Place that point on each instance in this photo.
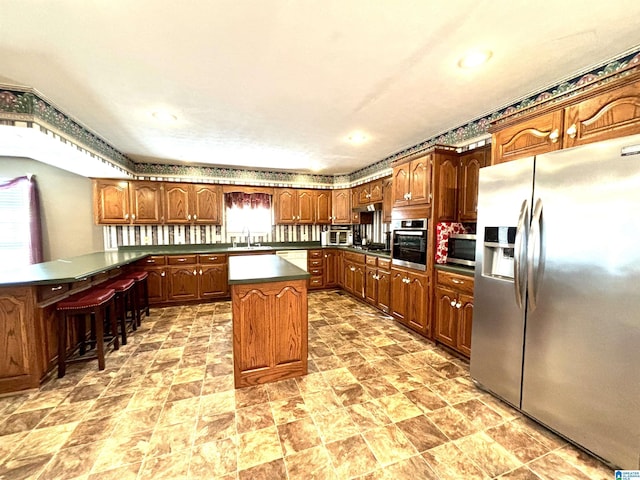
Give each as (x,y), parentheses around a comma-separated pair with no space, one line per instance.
(269,331)
(331,268)
(157,285)
(377,283)
(409,299)
(454,311)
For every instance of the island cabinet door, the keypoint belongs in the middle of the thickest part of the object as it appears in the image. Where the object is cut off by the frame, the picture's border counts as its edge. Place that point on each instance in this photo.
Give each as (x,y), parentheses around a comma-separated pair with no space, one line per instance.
(269,332)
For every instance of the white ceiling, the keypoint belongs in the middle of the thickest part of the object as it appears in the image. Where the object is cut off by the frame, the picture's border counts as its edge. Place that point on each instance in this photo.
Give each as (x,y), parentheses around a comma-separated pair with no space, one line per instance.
(279,84)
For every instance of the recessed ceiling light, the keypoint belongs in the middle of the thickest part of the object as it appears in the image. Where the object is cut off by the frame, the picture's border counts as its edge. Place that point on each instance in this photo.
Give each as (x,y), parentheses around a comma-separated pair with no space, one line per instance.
(164,116)
(357,137)
(474,58)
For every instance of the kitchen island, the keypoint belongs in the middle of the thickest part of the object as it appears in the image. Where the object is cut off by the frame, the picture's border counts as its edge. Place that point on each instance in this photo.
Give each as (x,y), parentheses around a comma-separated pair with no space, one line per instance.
(270,322)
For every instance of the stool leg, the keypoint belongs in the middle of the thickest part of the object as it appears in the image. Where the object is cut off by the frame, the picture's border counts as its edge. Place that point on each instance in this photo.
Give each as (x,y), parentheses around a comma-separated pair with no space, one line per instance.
(135,320)
(99,330)
(81,320)
(121,307)
(62,345)
(145,289)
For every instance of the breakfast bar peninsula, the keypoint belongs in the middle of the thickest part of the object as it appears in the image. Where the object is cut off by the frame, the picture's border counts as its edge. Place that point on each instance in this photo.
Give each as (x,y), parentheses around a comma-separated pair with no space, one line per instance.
(270,321)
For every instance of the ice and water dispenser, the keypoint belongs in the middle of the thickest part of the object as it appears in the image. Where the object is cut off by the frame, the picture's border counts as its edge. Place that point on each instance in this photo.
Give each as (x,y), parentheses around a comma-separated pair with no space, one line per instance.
(499,243)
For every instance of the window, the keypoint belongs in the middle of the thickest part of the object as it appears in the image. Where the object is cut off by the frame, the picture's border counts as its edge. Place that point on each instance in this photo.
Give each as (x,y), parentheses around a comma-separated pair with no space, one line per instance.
(20,242)
(248,212)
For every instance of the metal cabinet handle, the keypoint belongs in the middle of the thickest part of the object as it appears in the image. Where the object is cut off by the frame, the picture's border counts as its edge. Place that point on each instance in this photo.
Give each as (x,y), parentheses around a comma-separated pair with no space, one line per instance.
(133,216)
(554,136)
(195,217)
(453,303)
(458,305)
(189,217)
(162,274)
(55,289)
(456,281)
(572,131)
(195,272)
(126,216)
(182,259)
(200,271)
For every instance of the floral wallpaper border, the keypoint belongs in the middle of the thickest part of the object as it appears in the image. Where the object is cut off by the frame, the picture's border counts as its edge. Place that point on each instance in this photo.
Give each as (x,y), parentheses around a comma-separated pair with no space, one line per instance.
(26,107)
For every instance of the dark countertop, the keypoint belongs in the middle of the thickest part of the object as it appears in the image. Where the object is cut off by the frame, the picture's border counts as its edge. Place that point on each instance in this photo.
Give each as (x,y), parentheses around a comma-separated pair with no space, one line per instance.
(68,270)
(460,269)
(77,268)
(245,269)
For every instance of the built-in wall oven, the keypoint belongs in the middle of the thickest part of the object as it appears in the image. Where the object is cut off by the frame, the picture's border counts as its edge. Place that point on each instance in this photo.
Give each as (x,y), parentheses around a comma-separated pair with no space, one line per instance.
(409,243)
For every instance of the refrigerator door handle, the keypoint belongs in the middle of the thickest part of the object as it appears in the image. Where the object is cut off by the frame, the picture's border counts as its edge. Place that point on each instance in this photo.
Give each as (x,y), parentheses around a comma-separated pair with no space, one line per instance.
(521,235)
(533,255)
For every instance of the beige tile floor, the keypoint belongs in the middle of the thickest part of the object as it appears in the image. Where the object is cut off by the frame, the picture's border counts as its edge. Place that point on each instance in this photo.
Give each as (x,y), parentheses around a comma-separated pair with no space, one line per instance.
(379,403)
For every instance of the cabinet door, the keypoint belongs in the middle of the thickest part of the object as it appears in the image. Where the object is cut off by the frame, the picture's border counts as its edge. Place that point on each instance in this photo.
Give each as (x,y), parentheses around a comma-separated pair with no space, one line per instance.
(322,206)
(371,286)
(417,292)
(330,268)
(362,195)
(213,281)
(465,320)
(182,283)
(384,291)
(176,203)
(207,204)
(157,285)
(305,207)
(146,202)
(375,191)
(387,199)
(420,180)
(469,173)
(341,206)
(531,137)
(398,295)
(286,206)
(401,186)
(446,313)
(349,275)
(446,188)
(111,202)
(358,281)
(609,115)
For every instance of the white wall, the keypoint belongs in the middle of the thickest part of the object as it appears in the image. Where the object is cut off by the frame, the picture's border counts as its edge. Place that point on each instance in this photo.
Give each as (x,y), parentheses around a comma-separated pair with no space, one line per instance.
(66,207)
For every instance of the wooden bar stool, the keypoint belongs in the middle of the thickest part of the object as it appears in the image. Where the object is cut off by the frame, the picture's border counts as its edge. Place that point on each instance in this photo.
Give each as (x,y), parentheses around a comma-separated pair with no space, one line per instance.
(140,293)
(97,302)
(124,297)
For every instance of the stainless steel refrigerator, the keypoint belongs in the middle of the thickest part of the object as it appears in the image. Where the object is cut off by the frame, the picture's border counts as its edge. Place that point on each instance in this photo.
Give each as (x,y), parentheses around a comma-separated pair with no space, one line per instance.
(556,327)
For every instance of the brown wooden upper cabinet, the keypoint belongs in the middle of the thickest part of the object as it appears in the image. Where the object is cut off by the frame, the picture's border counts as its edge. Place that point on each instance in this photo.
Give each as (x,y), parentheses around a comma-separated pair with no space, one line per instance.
(341,206)
(192,203)
(293,206)
(445,187)
(468,174)
(412,182)
(387,199)
(322,206)
(368,193)
(119,202)
(609,111)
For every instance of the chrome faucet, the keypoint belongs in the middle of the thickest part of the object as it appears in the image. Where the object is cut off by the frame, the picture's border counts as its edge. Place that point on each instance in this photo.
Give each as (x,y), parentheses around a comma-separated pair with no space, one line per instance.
(248,236)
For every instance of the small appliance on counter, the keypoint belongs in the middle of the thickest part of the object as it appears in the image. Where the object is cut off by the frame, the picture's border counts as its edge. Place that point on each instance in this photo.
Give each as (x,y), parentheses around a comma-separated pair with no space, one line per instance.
(462,249)
(337,235)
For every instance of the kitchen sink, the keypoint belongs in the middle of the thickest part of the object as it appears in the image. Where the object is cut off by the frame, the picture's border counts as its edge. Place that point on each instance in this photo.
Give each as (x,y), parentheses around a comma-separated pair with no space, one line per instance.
(252,247)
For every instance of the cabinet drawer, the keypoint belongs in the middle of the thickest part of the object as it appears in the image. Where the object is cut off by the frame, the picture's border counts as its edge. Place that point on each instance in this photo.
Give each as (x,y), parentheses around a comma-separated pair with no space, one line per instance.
(182,260)
(152,260)
(212,259)
(314,262)
(315,271)
(315,254)
(45,292)
(371,261)
(315,281)
(384,263)
(456,282)
(354,257)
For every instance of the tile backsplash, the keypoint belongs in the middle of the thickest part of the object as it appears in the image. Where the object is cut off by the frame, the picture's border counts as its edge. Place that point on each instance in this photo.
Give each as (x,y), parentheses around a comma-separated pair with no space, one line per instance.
(124,235)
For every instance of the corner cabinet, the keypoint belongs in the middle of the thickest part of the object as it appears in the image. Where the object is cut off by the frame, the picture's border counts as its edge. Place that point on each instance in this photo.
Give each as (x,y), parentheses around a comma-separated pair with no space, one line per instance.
(454,311)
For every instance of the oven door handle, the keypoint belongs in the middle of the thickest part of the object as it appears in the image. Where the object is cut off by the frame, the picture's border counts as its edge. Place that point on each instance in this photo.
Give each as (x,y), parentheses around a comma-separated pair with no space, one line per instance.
(415,233)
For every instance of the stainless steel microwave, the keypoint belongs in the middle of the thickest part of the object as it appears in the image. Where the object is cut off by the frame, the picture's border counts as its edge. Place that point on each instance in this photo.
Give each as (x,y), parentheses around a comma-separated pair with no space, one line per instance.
(462,249)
